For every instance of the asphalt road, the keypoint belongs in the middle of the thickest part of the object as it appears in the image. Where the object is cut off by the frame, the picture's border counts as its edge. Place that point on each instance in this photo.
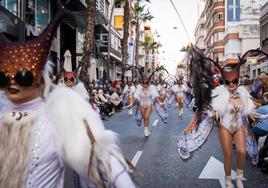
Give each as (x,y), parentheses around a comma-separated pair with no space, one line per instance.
(160,163)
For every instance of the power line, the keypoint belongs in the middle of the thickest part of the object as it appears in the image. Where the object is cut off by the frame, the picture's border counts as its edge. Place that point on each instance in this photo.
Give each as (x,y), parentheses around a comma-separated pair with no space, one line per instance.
(181,20)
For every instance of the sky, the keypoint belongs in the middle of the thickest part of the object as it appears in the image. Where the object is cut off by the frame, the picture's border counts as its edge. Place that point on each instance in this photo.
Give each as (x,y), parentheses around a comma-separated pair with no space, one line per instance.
(164,21)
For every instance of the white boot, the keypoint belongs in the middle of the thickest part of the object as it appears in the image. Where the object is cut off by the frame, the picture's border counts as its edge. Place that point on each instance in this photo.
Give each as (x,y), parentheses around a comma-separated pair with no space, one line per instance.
(239,181)
(130,111)
(181,110)
(146,132)
(228,182)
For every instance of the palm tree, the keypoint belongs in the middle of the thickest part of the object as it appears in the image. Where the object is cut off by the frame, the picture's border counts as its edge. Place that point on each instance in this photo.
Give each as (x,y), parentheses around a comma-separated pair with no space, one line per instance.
(139,14)
(149,46)
(125,38)
(154,46)
(88,45)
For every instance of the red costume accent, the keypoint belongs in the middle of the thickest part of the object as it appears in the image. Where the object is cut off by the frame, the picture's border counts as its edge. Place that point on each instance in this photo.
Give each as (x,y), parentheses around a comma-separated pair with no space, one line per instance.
(30,55)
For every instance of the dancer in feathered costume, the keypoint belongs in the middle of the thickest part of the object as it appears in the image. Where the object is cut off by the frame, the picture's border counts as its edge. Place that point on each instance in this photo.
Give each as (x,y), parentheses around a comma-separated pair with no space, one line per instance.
(170,97)
(71,80)
(162,90)
(145,96)
(227,106)
(179,90)
(128,93)
(45,127)
(163,98)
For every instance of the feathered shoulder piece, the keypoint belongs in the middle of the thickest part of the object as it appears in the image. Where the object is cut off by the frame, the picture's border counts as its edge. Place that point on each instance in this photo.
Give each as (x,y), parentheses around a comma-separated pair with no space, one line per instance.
(221,95)
(81,136)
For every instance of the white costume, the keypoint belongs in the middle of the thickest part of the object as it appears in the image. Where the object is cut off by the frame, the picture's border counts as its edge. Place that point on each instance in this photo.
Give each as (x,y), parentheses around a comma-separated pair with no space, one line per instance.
(129,90)
(146,96)
(226,110)
(39,136)
(161,89)
(179,90)
(80,88)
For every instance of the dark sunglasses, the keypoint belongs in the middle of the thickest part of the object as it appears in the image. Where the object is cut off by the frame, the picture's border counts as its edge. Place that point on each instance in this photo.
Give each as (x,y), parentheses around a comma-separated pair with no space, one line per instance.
(70,79)
(145,83)
(228,82)
(23,78)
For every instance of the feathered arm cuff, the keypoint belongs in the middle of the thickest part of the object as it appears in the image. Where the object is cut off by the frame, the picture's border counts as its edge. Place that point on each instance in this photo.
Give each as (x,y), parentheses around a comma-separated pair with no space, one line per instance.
(81,137)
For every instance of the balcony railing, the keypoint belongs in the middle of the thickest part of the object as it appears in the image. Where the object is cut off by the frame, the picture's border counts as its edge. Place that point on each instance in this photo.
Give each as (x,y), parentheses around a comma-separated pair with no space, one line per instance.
(103,7)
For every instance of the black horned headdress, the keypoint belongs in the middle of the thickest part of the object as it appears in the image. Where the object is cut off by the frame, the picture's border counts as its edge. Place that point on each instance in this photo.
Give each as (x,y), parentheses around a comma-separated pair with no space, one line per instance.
(143,75)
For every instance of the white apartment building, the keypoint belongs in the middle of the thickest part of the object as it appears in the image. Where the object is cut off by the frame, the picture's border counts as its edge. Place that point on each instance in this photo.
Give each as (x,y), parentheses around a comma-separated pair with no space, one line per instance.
(242,29)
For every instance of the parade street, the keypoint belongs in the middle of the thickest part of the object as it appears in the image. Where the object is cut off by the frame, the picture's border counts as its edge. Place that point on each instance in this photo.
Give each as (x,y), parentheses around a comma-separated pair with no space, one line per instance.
(157,159)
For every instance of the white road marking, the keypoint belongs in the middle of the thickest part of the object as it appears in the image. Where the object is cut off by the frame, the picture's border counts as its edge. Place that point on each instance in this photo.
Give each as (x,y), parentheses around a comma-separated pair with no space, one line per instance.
(155,122)
(214,170)
(136,158)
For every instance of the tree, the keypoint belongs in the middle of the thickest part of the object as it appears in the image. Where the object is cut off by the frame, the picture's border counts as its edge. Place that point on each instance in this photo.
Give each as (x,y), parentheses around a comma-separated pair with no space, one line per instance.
(88,45)
(149,46)
(125,38)
(139,14)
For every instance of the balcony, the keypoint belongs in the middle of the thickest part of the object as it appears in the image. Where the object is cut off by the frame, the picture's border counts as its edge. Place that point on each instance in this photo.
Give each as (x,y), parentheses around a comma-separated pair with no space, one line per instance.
(102,43)
(78,17)
(217,27)
(103,7)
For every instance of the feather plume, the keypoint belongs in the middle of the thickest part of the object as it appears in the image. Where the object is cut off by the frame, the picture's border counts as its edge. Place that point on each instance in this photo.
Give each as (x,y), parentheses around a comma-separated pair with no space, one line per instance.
(201,77)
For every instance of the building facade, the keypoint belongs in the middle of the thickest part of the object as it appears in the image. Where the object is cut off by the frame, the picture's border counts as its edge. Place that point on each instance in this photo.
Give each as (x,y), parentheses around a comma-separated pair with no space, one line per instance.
(200,27)
(242,30)
(261,63)
(214,28)
(227,29)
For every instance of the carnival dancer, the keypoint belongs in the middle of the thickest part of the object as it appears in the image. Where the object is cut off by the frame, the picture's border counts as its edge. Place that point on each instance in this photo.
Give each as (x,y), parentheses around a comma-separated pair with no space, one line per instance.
(145,95)
(71,80)
(227,106)
(179,90)
(128,93)
(170,97)
(44,126)
(161,88)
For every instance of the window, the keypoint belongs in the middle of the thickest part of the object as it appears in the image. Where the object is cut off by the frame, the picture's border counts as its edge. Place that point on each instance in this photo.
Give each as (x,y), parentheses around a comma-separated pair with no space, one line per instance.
(264,33)
(37,12)
(11,5)
(220,34)
(220,16)
(118,4)
(42,13)
(215,37)
(118,22)
(30,12)
(104,39)
(115,43)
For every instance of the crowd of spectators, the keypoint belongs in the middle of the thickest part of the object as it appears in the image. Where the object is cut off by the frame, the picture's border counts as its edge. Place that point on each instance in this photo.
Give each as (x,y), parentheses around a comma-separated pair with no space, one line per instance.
(258,89)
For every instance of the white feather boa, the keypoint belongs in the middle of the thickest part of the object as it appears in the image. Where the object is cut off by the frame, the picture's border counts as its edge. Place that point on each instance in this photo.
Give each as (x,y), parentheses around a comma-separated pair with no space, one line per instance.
(68,110)
(221,97)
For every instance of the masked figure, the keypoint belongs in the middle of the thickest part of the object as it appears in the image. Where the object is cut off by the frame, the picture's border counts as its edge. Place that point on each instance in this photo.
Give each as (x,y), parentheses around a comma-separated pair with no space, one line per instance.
(43,126)
(227,106)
